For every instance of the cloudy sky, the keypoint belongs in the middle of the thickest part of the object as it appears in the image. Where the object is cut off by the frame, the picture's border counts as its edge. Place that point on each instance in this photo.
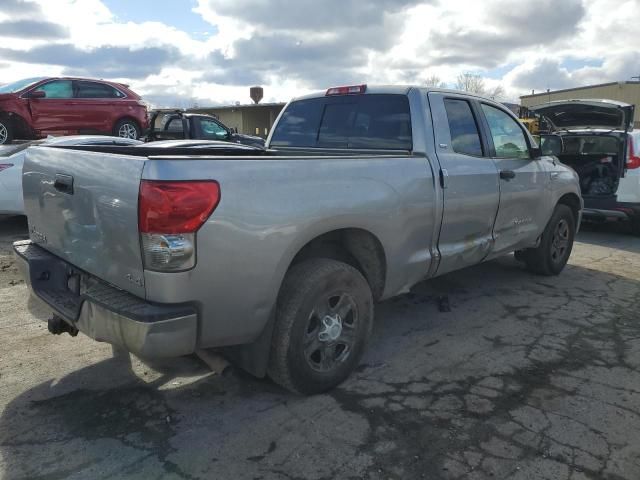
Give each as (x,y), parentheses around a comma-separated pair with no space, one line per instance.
(176,52)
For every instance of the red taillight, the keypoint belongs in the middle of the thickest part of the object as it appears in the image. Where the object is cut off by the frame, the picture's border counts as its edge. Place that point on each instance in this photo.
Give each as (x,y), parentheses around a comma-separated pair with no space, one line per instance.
(348,90)
(4,166)
(177,206)
(633,160)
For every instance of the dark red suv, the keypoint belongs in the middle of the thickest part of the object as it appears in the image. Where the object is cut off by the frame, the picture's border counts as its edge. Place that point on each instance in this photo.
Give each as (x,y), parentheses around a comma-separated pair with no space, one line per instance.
(37,107)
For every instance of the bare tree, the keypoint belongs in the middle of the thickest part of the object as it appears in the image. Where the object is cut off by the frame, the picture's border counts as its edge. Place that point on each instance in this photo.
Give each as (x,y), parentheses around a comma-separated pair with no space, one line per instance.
(496,92)
(434,81)
(469,82)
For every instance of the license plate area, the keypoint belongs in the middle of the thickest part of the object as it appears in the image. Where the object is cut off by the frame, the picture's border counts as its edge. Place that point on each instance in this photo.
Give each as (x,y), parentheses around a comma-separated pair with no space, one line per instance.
(59,285)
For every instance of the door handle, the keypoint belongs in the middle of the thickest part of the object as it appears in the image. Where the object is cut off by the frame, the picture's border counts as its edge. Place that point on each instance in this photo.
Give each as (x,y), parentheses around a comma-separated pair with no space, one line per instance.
(507,174)
(64,183)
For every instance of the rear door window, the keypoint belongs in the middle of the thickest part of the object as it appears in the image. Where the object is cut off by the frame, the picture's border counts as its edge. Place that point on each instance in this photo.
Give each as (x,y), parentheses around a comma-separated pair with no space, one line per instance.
(376,121)
(96,90)
(465,137)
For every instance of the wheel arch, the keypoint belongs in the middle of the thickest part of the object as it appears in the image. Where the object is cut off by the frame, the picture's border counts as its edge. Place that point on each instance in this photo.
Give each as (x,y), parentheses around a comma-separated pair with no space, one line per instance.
(126,117)
(20,126)
(355,246)
(572,201)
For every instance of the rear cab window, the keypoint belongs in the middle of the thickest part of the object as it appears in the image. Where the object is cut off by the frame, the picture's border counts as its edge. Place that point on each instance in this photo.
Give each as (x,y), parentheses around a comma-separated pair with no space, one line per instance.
(370,121)
(175,125)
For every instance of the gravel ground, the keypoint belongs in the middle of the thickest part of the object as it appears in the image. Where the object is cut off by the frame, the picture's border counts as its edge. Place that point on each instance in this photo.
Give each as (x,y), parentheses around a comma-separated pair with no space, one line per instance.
(526,378)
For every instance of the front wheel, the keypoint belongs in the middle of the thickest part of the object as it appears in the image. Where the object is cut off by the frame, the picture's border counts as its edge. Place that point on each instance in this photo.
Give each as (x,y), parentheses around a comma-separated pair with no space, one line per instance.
(324,318)
(6,131)
(127,129)
(550,257)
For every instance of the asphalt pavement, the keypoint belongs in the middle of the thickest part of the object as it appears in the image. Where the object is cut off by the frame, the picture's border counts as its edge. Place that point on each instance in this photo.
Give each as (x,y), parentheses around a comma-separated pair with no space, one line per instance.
(527,377)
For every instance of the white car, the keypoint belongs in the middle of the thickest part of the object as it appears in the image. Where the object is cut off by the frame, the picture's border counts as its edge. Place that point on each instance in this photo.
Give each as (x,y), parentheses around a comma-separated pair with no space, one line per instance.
(629,187)
(12,158)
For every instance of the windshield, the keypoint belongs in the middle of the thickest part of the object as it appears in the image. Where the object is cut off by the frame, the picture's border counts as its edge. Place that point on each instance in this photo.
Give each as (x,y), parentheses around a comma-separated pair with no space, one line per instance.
(19,85)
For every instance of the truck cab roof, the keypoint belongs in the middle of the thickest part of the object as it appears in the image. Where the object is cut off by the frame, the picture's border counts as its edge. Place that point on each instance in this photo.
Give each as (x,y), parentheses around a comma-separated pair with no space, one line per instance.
(393,90)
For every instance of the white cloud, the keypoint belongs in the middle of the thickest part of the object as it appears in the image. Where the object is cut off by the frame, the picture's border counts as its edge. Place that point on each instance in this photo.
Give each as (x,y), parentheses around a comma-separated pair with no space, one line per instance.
(291,47)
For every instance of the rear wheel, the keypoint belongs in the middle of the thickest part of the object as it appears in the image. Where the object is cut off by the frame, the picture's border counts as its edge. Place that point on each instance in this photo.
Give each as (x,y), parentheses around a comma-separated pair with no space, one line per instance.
(127,128)
(323,321)
(6,131)
(550,257)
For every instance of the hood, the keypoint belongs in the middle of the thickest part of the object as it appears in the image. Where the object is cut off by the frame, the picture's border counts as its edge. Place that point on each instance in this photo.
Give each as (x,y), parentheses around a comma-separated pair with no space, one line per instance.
(6,96)
(580,114)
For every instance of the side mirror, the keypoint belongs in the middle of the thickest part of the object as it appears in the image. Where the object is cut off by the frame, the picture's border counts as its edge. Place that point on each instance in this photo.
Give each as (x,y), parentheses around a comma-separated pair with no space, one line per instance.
(551,144)
(37,94)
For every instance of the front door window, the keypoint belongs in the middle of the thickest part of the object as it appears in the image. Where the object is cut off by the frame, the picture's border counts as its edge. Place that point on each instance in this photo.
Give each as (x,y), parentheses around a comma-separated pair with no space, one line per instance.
(57,89)
(508,138)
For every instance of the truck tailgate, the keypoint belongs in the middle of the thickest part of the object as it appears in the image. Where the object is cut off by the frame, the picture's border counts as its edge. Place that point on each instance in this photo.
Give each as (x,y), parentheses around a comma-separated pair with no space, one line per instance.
(83,207)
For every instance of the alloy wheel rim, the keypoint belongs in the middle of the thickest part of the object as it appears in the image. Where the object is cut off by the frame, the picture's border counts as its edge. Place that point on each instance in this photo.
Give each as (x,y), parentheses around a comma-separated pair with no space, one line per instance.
(3,133)
(127,130)
(560,241)
(331,332)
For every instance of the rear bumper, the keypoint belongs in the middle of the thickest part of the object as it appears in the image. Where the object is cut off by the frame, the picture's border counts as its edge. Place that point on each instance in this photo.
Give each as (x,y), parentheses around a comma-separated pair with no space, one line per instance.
(104,312)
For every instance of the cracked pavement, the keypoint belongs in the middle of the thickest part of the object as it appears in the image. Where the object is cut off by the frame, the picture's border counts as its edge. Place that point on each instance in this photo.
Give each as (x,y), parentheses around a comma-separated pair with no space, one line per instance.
(526,378)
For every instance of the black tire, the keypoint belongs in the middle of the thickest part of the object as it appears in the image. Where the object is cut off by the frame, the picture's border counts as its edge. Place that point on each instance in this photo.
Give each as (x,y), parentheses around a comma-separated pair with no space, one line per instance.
(550,257)
(127,128)
(519,255)
(6,131)
(317,293)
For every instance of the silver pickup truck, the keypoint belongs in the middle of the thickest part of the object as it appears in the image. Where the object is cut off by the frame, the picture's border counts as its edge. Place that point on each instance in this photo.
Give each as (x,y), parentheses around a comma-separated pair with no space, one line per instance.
(276,257)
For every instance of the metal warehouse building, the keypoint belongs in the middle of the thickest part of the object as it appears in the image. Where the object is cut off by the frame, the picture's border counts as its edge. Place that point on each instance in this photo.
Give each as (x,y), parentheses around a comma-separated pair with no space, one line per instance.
(251,119)
(628,92)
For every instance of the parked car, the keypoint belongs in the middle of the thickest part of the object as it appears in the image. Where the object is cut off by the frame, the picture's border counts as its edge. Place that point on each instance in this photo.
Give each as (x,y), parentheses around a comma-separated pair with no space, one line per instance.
(277,259)
(629,187)
(12,159)
(177,125)
(597,144)
(37,107)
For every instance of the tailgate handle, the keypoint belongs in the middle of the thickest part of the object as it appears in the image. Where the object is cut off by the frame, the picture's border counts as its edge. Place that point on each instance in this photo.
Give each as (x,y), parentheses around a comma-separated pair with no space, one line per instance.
(64,183)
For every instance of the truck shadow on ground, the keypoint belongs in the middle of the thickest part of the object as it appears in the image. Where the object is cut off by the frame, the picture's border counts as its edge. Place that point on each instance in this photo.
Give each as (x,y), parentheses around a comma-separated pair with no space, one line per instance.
(527,377)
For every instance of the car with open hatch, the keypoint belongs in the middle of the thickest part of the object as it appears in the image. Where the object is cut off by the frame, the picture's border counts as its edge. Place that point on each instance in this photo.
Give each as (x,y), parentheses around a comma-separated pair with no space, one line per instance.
(596,140)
